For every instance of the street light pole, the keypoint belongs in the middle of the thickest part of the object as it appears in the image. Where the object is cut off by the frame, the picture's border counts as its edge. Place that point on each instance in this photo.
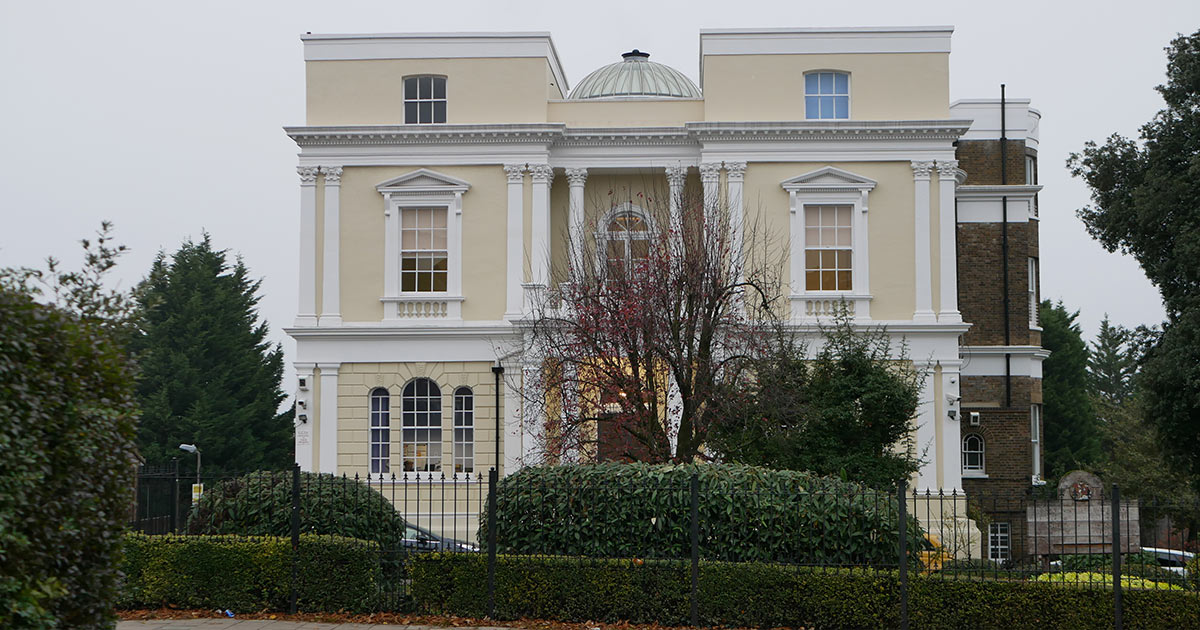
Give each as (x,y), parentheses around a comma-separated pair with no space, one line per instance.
(192,448)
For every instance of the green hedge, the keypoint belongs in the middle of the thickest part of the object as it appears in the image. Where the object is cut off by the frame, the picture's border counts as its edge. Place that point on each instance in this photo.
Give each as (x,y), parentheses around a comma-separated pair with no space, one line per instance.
(769,595)
(250,573)
(746,514)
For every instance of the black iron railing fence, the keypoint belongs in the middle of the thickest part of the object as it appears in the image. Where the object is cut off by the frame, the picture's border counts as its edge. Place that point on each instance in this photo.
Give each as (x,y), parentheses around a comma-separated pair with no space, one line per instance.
(1098,540)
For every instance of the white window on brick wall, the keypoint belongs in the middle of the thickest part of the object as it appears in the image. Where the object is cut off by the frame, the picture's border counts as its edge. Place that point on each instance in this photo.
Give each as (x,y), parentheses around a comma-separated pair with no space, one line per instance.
(381,431)
(828,248)
(1033,293)
(421,436)
(999,541)
(1035,436)
(464,430)
(972,453)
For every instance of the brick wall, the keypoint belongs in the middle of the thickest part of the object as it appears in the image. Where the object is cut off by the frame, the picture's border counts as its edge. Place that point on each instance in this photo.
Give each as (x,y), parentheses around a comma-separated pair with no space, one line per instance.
(981,160)
(980,281)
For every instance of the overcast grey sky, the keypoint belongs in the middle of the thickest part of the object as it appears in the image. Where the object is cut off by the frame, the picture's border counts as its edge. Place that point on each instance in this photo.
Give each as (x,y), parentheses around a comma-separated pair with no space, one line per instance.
(165,117)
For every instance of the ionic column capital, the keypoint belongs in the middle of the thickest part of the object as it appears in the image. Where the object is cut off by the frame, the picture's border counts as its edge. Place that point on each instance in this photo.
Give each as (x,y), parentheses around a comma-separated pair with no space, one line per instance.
(308,175)
(922,169)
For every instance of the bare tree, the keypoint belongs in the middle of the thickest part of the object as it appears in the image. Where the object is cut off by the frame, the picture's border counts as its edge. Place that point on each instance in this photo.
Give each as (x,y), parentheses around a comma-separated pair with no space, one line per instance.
(650,315)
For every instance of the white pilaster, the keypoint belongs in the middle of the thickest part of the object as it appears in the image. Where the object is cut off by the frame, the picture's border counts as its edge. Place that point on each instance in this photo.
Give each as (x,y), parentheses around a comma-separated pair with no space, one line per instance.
(304,427)
(532,416)
(735,173)
(515,240)
(927,446)
(328,418)
(576,178)
(676,177)
(924,269)
(513,406)
(391,256)
(710,178)
(539,249)
(862,254)
(947,243)
(796,255)
(331,310)
(306,314)
(951,440)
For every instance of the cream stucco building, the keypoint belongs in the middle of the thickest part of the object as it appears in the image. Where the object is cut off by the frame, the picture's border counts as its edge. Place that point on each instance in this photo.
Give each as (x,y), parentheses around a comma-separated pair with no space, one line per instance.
(438,173)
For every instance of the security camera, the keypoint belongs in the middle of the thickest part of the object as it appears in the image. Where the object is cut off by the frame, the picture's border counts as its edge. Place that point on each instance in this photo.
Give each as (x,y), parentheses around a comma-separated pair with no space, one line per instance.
(303,418)
(301,404)
(953,413)
(953,398)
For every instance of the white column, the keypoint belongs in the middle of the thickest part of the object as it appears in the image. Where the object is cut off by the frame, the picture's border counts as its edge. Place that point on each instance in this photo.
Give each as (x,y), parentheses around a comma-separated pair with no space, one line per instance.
(927,447)
(947,242)
(924,274)
(735,173)
(676,177)
(576,178)
(515,240)
(513,404)
(949,449)
(331,310)
(539,249)
(304,427)
(328,418)
(532,416)
(306,315)
(710,177)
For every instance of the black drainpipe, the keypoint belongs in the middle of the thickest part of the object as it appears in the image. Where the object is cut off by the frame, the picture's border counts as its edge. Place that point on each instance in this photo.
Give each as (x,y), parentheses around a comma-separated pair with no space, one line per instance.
(498,371)
(1004,246)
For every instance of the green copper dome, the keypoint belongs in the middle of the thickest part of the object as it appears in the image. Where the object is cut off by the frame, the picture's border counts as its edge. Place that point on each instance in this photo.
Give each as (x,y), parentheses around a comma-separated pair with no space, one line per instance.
(635,76)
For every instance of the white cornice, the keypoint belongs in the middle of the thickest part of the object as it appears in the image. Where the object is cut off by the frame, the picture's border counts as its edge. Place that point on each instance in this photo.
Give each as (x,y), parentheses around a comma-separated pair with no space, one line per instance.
(997,191)
(607,136)
(338,47)
(532,133)
(829,130)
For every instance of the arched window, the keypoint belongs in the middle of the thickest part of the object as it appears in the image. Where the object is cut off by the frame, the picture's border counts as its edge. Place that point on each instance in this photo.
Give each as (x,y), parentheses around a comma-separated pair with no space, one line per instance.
(421,436)
(972,453)
(826,95)
(381,431)
(464,430)
(626,238)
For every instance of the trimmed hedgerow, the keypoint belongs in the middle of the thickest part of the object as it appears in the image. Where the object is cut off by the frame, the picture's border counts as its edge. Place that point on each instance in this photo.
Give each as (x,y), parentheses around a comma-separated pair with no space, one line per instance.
(746,513)
(250,573)
(771,595)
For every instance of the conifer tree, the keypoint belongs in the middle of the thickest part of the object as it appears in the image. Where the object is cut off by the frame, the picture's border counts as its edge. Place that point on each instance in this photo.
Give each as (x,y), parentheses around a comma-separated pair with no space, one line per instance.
(208,374)
(1072,437)
(1112,363)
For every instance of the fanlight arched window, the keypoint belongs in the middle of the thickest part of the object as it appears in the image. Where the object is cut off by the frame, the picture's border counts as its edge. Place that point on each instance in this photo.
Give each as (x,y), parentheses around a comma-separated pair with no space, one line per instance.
(381,431)
(972,453)
(464,430)
(421,436)
(626,235)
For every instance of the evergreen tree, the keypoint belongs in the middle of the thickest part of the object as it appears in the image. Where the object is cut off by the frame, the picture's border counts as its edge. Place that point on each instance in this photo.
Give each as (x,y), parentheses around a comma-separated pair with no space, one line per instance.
(1145,204)
(1072,437)
(1112,363)
(209,376)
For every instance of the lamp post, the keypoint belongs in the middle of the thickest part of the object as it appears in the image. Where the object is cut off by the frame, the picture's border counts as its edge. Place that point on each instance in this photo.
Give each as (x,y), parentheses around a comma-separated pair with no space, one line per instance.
(197,488)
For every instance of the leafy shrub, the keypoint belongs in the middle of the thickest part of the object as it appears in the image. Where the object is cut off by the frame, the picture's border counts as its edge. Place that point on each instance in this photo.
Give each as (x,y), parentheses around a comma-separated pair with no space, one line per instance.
(745,513)
(1093,578)
(1087,562)
(1193,573)
(770,595)
(260,504)
(66,456)
(247,574)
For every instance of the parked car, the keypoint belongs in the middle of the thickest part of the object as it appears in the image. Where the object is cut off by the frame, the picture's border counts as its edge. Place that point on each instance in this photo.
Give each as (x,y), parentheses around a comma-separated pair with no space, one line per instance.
(1173,560)
(419,539)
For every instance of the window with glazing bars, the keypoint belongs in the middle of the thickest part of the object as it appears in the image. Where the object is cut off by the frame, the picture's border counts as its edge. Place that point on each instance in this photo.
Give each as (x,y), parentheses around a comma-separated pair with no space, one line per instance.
(381,431)
(424,100)
(827,248)
(464,430)
(421,436)
(1033,296)
(423,253)
(972,453)
(1035,436)
(826,95)
(627,241)
(999,541)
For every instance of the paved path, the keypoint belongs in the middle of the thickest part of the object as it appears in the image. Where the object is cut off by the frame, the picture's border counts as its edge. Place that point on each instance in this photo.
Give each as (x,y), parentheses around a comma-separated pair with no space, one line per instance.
(260,624)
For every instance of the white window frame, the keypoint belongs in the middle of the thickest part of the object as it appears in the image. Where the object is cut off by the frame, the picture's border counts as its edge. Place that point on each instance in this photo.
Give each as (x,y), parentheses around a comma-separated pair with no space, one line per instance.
(415,98)
(464,420)
(380,419)
(1033,293)
(830,186)
(849,93)
(422,188)
(440,427)
(1035,430)
(999,541)
(603,236)
(981,470)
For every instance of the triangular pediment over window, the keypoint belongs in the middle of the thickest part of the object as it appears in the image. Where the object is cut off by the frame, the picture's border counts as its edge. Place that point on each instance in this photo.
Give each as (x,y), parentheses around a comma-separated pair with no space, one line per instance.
(829,178)
(425,181)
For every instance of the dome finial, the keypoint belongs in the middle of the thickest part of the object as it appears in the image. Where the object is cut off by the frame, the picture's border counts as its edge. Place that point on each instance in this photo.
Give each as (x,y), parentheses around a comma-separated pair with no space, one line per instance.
(635,54)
